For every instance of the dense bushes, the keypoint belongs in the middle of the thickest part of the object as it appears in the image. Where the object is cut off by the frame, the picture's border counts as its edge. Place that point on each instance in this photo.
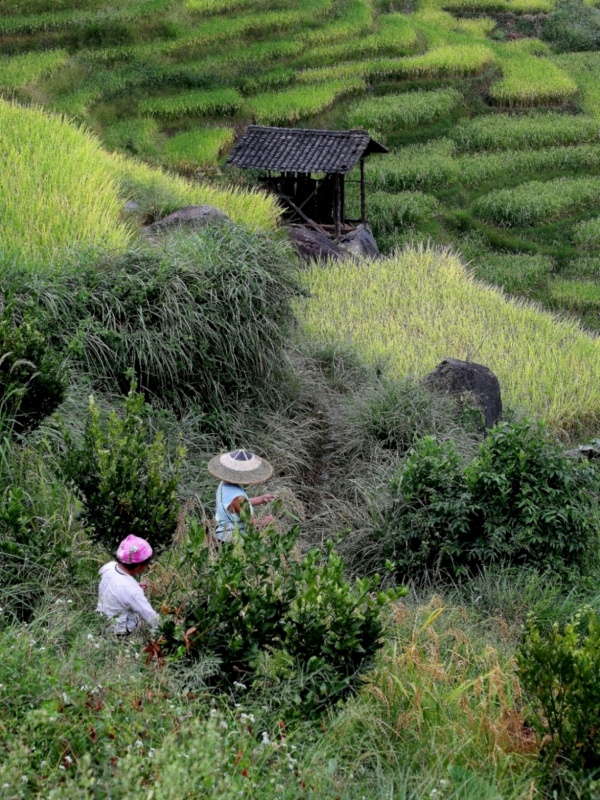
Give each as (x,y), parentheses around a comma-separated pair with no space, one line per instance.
(125,481)
(560,670)
(267,613)
(521,501)
(33,379)
(573,25)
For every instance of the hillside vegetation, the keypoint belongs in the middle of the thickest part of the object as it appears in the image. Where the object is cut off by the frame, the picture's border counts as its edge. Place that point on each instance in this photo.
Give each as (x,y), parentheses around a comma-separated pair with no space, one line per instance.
(420,618)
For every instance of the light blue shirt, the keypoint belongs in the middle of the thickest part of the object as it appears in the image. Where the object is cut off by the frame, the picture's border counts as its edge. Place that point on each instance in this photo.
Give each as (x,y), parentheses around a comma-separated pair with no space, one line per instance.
(228,522)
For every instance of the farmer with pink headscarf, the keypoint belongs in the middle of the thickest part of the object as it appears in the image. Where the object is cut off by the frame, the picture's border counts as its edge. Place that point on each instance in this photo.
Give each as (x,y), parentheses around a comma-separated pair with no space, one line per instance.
(120,597)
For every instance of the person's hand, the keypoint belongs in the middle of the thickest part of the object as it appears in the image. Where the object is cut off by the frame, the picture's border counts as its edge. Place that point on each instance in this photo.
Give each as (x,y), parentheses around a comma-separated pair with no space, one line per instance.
(143,586)
(266,498)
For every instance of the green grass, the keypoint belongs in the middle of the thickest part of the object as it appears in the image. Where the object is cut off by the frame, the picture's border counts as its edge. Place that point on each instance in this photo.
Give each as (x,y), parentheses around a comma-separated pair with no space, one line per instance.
(390,211)
(136,135)
(427,167)
(535,202)
(192,103)
(525,131)
(17,71)
(404,110)
(584,68)
(272,108)
(196,148)
(516,273)
(414,309)
(587,234)
(580,296)
(529,80)
(57,189)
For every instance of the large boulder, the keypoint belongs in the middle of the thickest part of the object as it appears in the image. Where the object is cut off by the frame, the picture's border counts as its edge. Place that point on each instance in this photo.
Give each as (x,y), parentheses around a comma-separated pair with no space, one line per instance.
(189,217)
(456,377)
(360,242)
(312,245)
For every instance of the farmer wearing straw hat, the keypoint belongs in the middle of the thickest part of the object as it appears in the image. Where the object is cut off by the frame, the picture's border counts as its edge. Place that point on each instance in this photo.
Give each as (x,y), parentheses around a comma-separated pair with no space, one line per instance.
(120,597)
(235,470)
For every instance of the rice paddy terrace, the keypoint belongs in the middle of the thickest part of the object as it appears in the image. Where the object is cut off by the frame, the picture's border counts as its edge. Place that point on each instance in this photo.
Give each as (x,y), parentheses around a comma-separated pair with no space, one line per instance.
(495,135)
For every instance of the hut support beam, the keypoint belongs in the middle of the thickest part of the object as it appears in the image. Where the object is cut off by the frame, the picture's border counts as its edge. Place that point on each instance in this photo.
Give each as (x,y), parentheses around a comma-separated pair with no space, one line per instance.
(363,196)
(337,208)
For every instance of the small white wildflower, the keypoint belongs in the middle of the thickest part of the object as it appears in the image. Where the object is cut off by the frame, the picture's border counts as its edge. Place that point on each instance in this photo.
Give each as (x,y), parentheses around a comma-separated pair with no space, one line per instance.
(90,637)
(1,686)
(61,766)
(239,685)
(265,738)
(69,602)
(24,778)
(223,725)
(151,753)
(5,785)
(41,650)
(213,712)
(139,743)
(433,793)
(443,783)
(68,760)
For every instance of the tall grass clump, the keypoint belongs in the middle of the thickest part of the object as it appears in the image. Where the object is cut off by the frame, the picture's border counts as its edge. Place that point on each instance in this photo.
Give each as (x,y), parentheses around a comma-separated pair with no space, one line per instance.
(538,201)
(419,306)
(195,148)
(57,189)
(404,110)
(203,317)
(390,212)
(292,104)
(136,136)
(193,103)
(525,131)
(21,70)
(584,68)
(516,273)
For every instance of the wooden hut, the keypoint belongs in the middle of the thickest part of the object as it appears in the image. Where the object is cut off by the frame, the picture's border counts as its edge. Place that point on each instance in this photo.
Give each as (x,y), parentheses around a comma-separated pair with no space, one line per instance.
(308,169)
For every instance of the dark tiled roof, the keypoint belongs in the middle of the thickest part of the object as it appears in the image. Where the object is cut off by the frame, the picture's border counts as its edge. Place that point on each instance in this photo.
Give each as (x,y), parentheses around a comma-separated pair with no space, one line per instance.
(301,150)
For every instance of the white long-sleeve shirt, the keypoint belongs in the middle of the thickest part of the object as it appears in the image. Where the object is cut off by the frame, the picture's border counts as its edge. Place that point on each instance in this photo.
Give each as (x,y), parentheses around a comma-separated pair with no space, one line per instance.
(120,597)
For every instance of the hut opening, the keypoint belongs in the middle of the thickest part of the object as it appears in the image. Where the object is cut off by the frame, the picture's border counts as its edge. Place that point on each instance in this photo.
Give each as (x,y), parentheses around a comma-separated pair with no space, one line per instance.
(308,169)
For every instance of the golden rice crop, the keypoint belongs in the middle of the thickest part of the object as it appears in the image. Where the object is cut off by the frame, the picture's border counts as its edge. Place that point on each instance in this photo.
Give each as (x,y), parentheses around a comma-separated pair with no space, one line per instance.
(530,80)
(57,189)
(404,110)
(444,61)
(517,131)
(20,70)
(288,106)
(193,148)
(193,103)
(535,202)
(421,305)
(160,192)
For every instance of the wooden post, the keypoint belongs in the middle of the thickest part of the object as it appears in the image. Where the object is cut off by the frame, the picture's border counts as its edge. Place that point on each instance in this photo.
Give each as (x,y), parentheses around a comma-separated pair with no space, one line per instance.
(337,208)
(363,197)
(342,200)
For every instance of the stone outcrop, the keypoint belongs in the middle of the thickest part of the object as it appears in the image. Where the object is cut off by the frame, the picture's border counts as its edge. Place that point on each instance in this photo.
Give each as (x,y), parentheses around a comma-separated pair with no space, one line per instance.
(189,217)
(456,377)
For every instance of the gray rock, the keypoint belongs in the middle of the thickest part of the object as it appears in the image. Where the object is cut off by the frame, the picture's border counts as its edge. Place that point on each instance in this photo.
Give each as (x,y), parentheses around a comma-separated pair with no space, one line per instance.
(131,206)
(360,242)
(311,245)
(589,451)
(456,377)
(190,217)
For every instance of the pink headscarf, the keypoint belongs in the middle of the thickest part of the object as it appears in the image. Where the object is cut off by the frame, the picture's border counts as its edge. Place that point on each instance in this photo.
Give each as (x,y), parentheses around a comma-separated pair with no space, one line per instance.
(133,550)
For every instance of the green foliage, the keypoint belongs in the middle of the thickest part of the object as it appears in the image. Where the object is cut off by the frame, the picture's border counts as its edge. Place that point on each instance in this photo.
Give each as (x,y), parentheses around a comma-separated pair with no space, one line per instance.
(560,671)
(33,377)
(573,25)
(28,68)
(521,501)
(192,103)
(423,167)
(516,273)
(125,481)
(197,147)
(587,234)
(389,213)
(136,136)
(529,80)
(258,598)
(290,105)
(576,295)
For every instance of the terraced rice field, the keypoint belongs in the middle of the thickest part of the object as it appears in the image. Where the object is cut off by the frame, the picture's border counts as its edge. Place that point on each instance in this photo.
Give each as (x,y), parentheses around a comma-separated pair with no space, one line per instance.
(494,133)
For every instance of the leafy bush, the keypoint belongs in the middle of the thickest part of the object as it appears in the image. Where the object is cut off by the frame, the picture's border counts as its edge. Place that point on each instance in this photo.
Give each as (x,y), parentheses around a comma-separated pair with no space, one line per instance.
(521,501)
(573,25)
(259,599)
(125,482)
(560,671)
(33,378)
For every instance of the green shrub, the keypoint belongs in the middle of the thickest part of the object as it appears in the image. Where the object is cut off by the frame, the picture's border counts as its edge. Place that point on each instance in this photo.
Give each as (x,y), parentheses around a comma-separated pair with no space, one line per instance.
(560,671)
(521,501)
(573,25)
(33,378)
(258,599)
(123,477)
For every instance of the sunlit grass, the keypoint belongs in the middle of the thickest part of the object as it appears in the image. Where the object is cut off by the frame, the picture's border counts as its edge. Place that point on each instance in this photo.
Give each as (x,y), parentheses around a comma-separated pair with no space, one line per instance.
(529,79)
(193,103)
(16,71)
(419,306)
(197,147)
(290,105)
(404,110)
(523,131)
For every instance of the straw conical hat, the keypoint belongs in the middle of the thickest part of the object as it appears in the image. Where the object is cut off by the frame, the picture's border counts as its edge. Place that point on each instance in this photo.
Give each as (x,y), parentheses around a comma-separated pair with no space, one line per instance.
(240,466)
